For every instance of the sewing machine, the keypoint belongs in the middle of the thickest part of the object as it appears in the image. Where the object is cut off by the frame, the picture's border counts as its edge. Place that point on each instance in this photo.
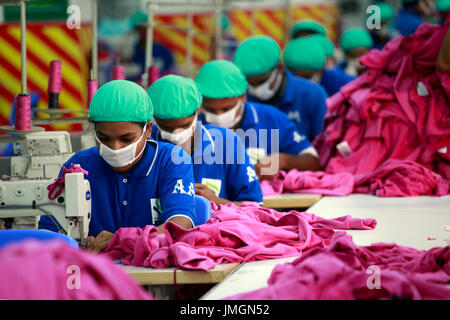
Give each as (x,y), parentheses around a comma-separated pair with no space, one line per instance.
(40,154)
(21,198)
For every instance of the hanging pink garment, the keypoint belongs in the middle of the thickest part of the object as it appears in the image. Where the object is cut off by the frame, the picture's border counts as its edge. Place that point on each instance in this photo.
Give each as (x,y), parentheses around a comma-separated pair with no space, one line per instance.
(53,270)
(233,234)
(344,271)
(398,109)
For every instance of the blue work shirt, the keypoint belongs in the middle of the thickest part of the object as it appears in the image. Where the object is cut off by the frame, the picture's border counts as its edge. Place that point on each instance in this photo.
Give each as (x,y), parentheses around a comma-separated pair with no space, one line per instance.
(305,104)
(333,79)
(407,21)
(154,191)
(265,130)
(221,163)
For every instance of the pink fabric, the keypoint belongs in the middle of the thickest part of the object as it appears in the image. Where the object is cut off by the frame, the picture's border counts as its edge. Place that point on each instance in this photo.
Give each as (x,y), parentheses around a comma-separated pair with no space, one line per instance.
(48,270)
(346,271)
(56,187)
(233,234)
(398,109)
(319,182)
(393,178)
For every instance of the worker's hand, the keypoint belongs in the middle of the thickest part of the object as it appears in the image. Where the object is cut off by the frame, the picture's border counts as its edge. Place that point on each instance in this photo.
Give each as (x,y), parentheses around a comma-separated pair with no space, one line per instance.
(99,243)
(204,191)
(268,167)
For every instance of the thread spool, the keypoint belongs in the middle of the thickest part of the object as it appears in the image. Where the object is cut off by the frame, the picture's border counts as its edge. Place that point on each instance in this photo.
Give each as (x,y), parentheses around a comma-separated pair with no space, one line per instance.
(23,112)
(118,73)
(54,84)
(153,73)
(92,88)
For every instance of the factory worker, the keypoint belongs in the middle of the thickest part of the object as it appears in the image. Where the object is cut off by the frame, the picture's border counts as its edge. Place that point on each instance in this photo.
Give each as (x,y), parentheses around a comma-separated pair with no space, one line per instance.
(259,58)
(385,32)
(443,9)
(411,15)
(355,42)
(304,28)
(133,181)
(222,169)
(270,138)
(306,58)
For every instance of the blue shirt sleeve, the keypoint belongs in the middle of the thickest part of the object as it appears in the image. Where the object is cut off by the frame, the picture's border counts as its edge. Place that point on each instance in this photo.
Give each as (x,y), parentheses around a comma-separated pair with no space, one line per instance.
(242,180)
(177,188)
(291,141)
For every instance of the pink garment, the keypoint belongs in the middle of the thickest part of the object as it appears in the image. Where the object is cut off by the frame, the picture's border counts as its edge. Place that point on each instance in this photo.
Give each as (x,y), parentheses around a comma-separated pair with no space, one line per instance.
(398,109)
(53,270)
(233,234)
(344,271)
(393,178)
(318,182)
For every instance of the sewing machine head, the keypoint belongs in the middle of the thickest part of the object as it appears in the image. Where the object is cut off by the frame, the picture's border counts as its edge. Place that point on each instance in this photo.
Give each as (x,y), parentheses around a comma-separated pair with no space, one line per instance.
(21,198)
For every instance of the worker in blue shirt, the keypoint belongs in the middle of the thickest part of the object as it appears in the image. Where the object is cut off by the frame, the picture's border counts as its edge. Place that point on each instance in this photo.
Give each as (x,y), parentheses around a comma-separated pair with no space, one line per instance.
(222,169)
(259,58)
(270,138)
(133,180)
(384,32)
(411,16)
(305,57)
(355,42)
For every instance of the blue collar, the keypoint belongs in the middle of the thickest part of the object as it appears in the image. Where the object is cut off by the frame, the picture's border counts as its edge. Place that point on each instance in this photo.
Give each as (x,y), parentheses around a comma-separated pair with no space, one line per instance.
(250,117)
(200,142)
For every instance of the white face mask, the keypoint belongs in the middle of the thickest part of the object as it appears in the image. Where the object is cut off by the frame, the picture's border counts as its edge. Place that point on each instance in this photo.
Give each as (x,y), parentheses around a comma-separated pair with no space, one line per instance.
(122,157)
(352,66)
(178,136)
(227,119)
(263,91)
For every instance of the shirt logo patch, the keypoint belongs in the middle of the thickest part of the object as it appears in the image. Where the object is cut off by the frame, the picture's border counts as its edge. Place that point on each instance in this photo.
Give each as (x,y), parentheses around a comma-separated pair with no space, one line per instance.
(298,137)
(251,174)
(214,184)
(294,115)
(156,210)
(256,154)
(179,188)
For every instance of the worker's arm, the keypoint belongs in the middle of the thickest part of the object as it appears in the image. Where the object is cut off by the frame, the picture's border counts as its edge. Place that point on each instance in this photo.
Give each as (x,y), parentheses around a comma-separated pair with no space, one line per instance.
(268,167)
(443,62)
(205,191)
(183,222)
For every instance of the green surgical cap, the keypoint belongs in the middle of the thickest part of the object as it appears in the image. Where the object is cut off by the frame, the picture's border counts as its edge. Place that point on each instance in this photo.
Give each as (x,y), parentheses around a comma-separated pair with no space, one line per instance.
(308,25)
(304,54)
(137,18)
(219,79)
(443,5)
(257,55)
(387,12)
(121,100)
(356,38)
(174,97)
(326,44)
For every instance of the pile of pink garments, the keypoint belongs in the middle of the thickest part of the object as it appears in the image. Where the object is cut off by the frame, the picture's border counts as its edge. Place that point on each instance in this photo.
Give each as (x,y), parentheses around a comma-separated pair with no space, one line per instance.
(397,110)
(233,234)
(344,271)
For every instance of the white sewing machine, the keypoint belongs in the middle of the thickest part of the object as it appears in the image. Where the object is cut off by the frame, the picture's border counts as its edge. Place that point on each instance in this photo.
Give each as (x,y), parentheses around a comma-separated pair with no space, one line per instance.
(41,154)
(29,198)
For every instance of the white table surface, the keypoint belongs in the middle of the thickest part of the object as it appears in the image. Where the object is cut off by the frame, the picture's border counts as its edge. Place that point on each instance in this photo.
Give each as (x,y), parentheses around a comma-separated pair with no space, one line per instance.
(405,221)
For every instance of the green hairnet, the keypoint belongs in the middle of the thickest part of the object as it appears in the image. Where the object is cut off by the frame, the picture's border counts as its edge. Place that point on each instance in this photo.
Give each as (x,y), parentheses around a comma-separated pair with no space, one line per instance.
(121,100)
(387,12)
(219,79)
(443,5)
(304,54)
(257,55)
(326,44)
(137,18)
(174,97)
(308,25)
(356,38)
